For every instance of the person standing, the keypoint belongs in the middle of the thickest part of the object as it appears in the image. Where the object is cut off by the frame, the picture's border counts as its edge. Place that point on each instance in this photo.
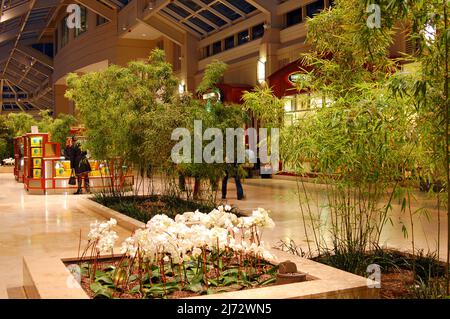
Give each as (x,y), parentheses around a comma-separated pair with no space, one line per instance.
(79,163)
(232,170)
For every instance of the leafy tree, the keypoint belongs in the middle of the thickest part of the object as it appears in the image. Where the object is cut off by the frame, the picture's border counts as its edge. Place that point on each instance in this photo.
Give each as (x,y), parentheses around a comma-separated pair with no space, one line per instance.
(20,123)
(119,105)
(212,76)
(265,106)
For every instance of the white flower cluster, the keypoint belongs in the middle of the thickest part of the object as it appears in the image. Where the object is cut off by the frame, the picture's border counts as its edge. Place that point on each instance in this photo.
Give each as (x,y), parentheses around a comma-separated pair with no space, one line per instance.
(164,236)
(103,235)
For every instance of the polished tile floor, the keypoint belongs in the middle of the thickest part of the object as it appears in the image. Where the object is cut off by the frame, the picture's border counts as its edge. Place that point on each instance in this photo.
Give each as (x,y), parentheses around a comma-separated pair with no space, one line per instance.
(50,225)
(36,225)
(280,197)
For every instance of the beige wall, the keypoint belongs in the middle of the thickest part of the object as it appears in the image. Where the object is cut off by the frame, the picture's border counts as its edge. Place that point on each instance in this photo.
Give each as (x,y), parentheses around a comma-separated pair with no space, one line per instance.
(98,46)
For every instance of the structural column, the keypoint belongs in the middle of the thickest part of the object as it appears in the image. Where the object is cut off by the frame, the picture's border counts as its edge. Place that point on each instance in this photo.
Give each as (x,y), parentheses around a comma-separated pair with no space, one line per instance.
(61,103)
(270,43)
(189,61)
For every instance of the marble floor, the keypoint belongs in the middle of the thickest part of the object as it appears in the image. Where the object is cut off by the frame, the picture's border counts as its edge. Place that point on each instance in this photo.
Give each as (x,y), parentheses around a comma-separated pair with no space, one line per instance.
(50,225)
(279,195)
(37,225)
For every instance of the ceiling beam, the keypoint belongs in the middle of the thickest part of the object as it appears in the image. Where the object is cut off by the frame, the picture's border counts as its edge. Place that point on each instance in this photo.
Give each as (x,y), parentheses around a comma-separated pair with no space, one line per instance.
(180,18)
(160,24)
(99,8)
(193,14)
(20,73)
(14,78)
(41,4)
(113,3)
(9,35)
(2,5)
(59,4)
(38,55)
(15,12)
(15,94)
(154,7)
(265,6)
(19,35)
(44,70)
(5,51)
(208,7)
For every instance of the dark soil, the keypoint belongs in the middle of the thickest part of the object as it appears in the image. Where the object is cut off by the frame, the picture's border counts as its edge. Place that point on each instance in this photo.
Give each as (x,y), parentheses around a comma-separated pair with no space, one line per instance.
(124,292)
(143,208)
(396,285)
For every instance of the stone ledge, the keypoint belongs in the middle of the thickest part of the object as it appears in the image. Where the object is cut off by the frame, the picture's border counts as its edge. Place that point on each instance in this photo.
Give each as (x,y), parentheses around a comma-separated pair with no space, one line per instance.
(122,220)
(47,278)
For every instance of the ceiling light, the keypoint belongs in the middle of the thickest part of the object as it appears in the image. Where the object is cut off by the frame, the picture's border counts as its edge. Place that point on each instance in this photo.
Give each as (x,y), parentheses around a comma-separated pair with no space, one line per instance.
(144,35)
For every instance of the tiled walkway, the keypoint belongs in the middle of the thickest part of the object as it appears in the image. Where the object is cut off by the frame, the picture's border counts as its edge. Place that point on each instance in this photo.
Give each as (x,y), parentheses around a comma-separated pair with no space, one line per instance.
(50,225)
(36,225)
(280,197)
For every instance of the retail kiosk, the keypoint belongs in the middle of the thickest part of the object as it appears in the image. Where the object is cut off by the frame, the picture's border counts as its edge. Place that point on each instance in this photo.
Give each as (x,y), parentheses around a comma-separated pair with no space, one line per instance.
(45,171)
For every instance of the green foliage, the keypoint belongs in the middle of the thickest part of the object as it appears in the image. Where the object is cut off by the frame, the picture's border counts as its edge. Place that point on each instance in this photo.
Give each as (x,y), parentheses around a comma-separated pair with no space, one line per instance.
(5,138)
(264,106)
(117,105)
(3,148)
(213,75)
(59,128)
(20,123)
(362,140)
(147,281)
(129,113)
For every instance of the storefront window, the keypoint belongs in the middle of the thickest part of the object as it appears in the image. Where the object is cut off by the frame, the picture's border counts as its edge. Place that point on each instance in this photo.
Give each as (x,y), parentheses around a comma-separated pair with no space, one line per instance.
(64,32)
(79,31)
(293,17)
(314,8)
(243,37)
(296,106)
(258,31)
(229,42)
(217,47)
(101,20)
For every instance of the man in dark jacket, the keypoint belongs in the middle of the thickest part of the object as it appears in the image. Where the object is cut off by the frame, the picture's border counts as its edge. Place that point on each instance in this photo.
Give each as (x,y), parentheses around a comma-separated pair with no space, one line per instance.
(79,163)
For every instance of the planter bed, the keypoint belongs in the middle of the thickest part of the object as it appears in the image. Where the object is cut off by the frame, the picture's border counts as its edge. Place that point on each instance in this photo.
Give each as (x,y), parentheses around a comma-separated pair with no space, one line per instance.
(48,278)
(219,282)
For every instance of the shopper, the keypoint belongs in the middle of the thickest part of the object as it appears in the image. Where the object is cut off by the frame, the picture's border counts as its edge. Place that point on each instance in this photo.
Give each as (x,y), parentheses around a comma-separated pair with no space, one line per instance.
(232,170)
(82,172)
(72,151)
(79,163)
